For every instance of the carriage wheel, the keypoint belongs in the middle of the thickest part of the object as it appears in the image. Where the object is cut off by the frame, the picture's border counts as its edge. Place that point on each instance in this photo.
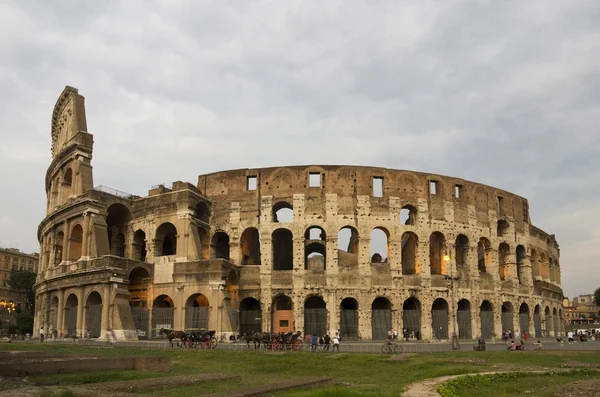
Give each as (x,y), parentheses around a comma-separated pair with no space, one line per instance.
(386,349)
(297,345)
(213,342)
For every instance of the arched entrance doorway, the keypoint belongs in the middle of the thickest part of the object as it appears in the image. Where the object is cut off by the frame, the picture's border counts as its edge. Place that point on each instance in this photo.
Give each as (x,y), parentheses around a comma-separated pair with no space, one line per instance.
(139,285)
(537,322)
(411,317)
(250,316)
(93,315)
(196,313)
(507,317)
(463,317)
(381,318)
(548,322)
(315,316)
(439,318)
(524,318)
(162,314)
(486,318)
(71,316)
(349,318)
(283,315)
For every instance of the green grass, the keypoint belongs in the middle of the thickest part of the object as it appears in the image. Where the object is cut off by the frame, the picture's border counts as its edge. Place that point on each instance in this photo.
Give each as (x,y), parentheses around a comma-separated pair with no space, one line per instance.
(353,374)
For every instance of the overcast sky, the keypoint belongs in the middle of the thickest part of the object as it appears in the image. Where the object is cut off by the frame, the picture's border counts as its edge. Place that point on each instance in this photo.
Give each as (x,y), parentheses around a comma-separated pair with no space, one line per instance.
(499,92)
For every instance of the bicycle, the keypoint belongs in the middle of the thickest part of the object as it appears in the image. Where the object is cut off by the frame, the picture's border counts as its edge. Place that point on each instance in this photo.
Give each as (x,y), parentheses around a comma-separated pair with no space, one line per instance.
(390,347)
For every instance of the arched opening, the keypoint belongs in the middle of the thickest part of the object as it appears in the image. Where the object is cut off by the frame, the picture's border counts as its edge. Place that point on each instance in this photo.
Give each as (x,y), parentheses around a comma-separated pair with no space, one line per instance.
(71,316)
(502,228)
(503,253)
(315,252)
(555,323)
(93,315)
(250,316)
(411,317)
(548,322)
(196,313)
(507,317)
(461,250)
(75,243)
(315,316)
(439,318)
(250,242)
(537,321)
(349,318)
(463,317)
(437,243)
(486,317)
(283,249)
(282,314)
(166,240)
(283,212)
(409,253)
(68,178)
(162,314)
(58,248)
(521,256)
(220,246)
(408,215)
(379,245)
(139,285)
(483,255)
(117,219)
(381,318)
(202,212)
(524,318)
(348,247)
(139,246)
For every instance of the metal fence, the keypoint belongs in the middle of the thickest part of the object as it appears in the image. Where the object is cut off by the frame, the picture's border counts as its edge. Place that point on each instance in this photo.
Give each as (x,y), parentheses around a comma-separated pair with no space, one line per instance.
(315,321)
(524,322)
(381,323)
(162,317)
(487,323)
(250,321)
(463,317)
(537,325)
(196,319)
(140,319)
(93,320)
(439,323)
(411,319)
(548,325)
(349,323)
(71,318)
(507,321)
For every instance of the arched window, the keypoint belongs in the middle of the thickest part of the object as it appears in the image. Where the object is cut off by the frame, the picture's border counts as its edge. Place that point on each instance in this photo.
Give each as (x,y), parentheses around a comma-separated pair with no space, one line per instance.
(250,242)
(202,212)
(75,243)
(68,177)
(348,247)
(409,253)
(166,240)
(483,255)
(283,249)
(283,212)
(461,251)
(220,245)
(139,245)
(437,243)
(315,252)
(503,227)
(503,252)
(408,215)
(117,219)
(379,245)
(521,256)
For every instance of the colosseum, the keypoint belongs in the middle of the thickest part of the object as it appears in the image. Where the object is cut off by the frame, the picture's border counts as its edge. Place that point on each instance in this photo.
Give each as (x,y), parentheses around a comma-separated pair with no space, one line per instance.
(318,249)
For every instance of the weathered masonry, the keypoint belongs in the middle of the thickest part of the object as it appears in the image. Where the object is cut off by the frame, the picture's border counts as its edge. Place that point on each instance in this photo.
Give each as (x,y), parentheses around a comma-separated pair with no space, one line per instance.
(320,249)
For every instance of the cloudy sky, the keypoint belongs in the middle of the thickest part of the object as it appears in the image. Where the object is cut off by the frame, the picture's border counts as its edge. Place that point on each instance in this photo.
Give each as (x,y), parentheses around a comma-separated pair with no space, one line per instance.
(499,92)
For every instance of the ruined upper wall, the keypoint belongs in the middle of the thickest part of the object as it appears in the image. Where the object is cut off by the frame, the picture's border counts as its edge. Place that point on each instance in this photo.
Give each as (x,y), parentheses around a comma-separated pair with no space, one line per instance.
(348,182)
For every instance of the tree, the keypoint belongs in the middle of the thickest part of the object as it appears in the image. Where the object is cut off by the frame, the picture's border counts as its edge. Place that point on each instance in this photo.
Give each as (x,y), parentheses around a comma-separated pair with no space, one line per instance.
(23,281)
(597,297)
(25,322)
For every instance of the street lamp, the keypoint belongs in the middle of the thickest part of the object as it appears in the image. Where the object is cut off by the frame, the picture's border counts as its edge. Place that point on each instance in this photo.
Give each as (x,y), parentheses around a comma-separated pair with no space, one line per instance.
(455,345)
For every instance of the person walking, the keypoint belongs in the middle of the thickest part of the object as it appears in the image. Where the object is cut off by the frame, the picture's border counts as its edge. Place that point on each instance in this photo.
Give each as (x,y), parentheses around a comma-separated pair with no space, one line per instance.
(313,343)
(327,342)
(42,334)
(336,343)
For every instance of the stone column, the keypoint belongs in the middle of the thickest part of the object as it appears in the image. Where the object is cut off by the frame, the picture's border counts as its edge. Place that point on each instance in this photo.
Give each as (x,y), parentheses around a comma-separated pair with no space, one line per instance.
(395,255)
(526,277)
(475,321)
(333,313)
(332,265)
(85,249)
(510,266)
(80,313)
(364,258)
(423,256)
(106,302)
(60,315)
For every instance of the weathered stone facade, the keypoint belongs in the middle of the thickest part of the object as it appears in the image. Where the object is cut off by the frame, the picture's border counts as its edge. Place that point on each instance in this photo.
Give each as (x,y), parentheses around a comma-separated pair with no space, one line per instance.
(288,248)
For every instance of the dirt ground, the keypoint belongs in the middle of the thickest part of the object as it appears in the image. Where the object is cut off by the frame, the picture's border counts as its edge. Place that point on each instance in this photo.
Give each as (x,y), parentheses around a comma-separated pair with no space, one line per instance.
(582,388)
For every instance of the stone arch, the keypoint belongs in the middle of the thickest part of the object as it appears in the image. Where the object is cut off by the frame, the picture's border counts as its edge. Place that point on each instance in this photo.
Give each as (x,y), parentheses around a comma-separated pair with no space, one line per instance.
(379,245)
(463,318)
(282,314)
(139,286)
(349,318)
(283,249)
(439,318)
(315,252)
(93,314)
(75,243)
(58,247)
(502,228)
(486,317)
(71,308)
(521,256)
(163,310)
(437,246)
(507,317)
(408,215)
(220,245)
(283,212)
(524,318)
(117,220)
(68,178)
(411,317)
(138,249)
(503,252)
(202,212)
(409,253)
(348,246)
(484,257)
(250,316)
(197,309)
(381,318)
(315,316)
(535,264)
(166,239)
(461,250)
(250,247)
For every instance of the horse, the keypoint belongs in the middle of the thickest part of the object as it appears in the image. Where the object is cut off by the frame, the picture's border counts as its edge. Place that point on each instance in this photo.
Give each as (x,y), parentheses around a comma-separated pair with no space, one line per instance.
(172,334)
(257,338)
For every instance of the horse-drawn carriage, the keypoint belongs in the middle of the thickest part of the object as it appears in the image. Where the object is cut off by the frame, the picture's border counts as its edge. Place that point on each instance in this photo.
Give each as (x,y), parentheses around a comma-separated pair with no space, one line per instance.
(192,340)
(281,341)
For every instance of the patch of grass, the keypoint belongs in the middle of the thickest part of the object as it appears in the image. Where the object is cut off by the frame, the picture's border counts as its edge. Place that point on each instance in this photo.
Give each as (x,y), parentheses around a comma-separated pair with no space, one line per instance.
(97,376)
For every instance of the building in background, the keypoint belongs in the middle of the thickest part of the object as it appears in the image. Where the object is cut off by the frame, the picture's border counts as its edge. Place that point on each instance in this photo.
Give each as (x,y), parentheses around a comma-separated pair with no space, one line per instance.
(12,259)
(581,310)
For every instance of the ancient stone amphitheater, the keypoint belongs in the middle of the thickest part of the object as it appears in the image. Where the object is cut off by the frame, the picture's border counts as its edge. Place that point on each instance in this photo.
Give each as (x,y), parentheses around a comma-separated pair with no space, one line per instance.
(320,249)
